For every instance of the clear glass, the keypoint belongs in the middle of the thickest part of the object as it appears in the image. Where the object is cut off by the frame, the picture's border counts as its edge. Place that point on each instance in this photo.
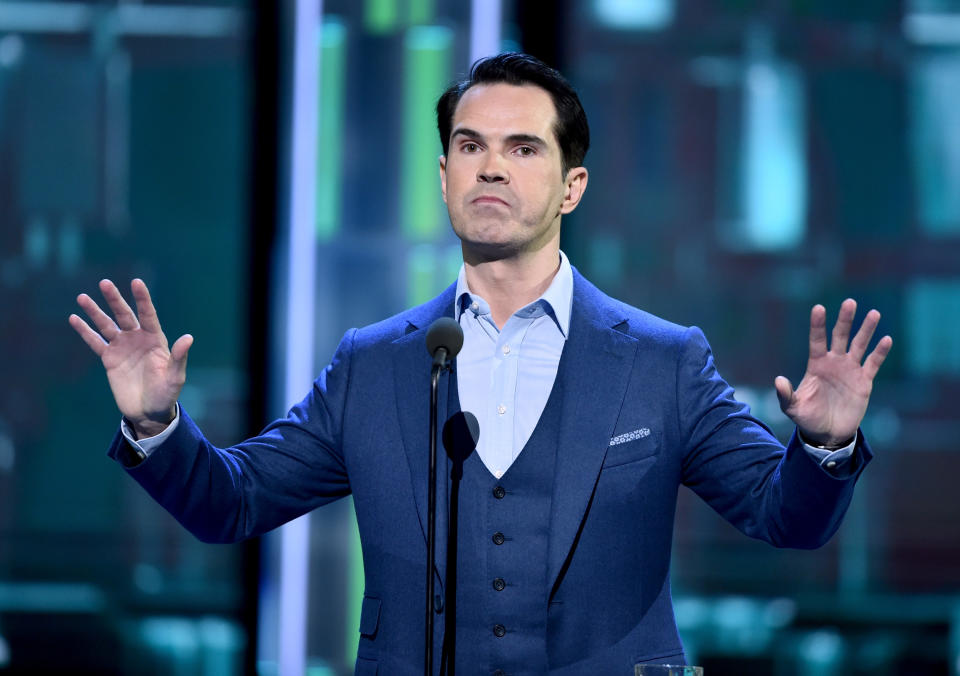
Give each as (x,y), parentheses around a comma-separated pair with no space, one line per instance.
(666,670)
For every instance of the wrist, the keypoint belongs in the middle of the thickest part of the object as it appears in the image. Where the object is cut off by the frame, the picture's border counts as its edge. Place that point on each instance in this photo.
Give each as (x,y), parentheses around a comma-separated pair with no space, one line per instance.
(152,426)
(825,442)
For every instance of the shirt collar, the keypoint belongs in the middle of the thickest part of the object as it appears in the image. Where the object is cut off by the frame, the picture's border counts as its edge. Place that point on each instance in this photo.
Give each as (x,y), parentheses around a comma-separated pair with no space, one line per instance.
(556,300)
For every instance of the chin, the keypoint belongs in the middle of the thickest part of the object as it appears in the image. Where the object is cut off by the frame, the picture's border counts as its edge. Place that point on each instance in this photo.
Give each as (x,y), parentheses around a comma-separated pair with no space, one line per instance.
(488,250)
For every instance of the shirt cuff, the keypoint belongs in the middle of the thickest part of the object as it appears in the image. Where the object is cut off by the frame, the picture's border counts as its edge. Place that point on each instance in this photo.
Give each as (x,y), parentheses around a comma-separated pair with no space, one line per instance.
(147,445)
(835,462)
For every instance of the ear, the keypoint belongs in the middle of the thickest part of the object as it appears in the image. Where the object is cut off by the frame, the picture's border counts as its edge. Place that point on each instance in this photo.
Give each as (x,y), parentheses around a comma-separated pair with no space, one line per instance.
(576,184)
(443,177)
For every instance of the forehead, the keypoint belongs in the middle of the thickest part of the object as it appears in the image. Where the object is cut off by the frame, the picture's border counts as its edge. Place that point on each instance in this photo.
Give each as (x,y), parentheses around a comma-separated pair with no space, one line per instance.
(506,108)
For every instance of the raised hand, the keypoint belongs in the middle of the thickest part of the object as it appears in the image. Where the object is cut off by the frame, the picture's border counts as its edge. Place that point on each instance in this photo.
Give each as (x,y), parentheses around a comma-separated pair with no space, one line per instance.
(831,400)
(144,374)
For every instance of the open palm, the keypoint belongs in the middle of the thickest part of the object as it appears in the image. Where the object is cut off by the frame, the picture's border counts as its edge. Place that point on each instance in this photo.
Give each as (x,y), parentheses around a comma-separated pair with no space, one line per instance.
(144,373)
(832,398)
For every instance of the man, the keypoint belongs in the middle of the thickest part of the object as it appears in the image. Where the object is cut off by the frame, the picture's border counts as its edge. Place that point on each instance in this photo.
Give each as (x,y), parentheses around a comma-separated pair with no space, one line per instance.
(592,413)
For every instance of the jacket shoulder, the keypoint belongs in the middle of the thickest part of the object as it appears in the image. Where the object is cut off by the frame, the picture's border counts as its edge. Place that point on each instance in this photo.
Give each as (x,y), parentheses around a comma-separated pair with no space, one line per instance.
(626,318)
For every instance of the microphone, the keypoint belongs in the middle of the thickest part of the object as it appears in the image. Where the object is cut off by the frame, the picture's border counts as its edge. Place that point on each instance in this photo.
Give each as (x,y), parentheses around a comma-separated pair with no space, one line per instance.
(461,433)
(444,340)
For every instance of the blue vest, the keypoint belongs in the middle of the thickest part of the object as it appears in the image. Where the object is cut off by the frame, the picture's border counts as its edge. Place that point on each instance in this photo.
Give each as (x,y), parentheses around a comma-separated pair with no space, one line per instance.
(502,538)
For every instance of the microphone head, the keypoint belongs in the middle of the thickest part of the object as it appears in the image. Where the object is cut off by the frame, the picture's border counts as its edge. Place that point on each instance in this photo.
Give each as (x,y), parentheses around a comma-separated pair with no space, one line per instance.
(445,332)
(461,433)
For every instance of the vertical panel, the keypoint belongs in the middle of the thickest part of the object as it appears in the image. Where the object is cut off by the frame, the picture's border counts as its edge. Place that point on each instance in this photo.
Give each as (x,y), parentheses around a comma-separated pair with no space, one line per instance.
(485,20)
(420,11)
(935,142)
(427,54)
(421,268)
(380,16)
(299,320)
(333,48)
(774,169)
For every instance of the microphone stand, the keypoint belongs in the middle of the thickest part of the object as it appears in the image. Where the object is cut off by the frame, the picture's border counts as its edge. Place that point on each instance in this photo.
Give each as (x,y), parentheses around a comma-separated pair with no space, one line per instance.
(438,368)
(444,339)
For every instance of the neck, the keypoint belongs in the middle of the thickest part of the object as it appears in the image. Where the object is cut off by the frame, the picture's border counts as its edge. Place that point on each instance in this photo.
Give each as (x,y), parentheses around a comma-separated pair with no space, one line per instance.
(508,284)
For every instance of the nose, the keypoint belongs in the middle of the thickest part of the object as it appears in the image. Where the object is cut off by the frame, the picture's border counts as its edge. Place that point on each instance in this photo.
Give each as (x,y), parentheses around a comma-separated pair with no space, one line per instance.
(491,171)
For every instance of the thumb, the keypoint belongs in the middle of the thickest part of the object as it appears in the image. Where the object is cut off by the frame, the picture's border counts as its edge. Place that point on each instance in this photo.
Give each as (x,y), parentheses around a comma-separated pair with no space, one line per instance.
(179,352)
(784,392)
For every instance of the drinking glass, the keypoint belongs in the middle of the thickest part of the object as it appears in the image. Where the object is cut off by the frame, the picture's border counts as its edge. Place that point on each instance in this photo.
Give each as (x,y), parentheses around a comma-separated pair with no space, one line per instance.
(666,670)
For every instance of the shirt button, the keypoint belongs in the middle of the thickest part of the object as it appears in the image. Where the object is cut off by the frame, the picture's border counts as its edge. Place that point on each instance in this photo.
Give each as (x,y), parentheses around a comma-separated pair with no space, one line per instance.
(506,349)
(498,492)
(498,538)
(831,464)
(498,473)
(499,630)
(501,409)
(474,306)
(499,584)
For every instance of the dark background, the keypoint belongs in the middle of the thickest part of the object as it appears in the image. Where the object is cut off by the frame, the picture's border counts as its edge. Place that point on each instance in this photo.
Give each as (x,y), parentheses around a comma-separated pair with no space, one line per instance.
(749,159)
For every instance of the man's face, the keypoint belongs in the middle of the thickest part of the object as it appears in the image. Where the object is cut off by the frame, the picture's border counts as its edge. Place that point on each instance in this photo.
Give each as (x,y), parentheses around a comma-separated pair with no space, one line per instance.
(502,178)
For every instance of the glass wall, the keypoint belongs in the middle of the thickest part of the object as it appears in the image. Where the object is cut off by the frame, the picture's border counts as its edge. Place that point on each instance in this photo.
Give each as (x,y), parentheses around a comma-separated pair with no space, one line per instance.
(124,152)
(750,160)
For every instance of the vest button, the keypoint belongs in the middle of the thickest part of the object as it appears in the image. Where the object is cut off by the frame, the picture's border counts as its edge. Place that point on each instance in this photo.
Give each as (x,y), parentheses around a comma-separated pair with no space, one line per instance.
(498,492)
(499,630)
(499,672)
(499,584)
(498,538)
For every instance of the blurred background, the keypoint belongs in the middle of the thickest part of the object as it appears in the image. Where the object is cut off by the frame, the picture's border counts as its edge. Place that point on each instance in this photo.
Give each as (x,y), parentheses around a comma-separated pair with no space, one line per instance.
(270,170)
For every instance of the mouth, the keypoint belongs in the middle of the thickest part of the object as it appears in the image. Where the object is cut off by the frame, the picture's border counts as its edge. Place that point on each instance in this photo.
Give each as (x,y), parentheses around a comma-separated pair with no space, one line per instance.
(489,199)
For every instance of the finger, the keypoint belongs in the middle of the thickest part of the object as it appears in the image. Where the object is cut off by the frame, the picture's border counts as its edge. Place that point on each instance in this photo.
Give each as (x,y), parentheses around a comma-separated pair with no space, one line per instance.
(93,339)
(125,318)
(876,358)
(178,353)
(784,392)
(146,313)
(841,330)
(105,325)
(860,342)
(818,331)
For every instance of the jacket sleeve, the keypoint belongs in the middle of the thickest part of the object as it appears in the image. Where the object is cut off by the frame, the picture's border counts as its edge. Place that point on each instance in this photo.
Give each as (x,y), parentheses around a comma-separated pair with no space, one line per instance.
(734,462)
(229,494)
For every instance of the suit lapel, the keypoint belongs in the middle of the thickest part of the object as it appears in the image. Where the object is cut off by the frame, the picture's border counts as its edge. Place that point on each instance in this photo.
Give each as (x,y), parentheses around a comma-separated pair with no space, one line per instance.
(411,378)
(593,374)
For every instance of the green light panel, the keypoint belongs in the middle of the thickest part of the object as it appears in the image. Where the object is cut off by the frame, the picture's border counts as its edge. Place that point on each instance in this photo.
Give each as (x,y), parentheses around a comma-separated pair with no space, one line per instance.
(430,269)
(380,16)
(420,11)
(333,48)
(355,595)
(421,272)
(427,55)
(450,265)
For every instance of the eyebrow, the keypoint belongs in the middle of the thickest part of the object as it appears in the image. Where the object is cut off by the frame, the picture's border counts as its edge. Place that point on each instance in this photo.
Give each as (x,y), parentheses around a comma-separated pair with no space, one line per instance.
(530,139)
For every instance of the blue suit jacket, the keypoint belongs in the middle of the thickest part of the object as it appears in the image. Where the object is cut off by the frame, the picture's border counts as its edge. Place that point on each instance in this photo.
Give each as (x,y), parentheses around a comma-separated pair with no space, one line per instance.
(363,430)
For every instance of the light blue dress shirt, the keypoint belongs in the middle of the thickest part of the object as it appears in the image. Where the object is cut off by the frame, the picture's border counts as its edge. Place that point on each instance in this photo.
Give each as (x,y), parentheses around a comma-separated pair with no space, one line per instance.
(504,377)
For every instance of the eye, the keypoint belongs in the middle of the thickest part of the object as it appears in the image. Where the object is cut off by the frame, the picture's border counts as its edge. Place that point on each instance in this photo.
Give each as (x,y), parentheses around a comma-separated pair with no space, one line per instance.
(469,147)
(526,151)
